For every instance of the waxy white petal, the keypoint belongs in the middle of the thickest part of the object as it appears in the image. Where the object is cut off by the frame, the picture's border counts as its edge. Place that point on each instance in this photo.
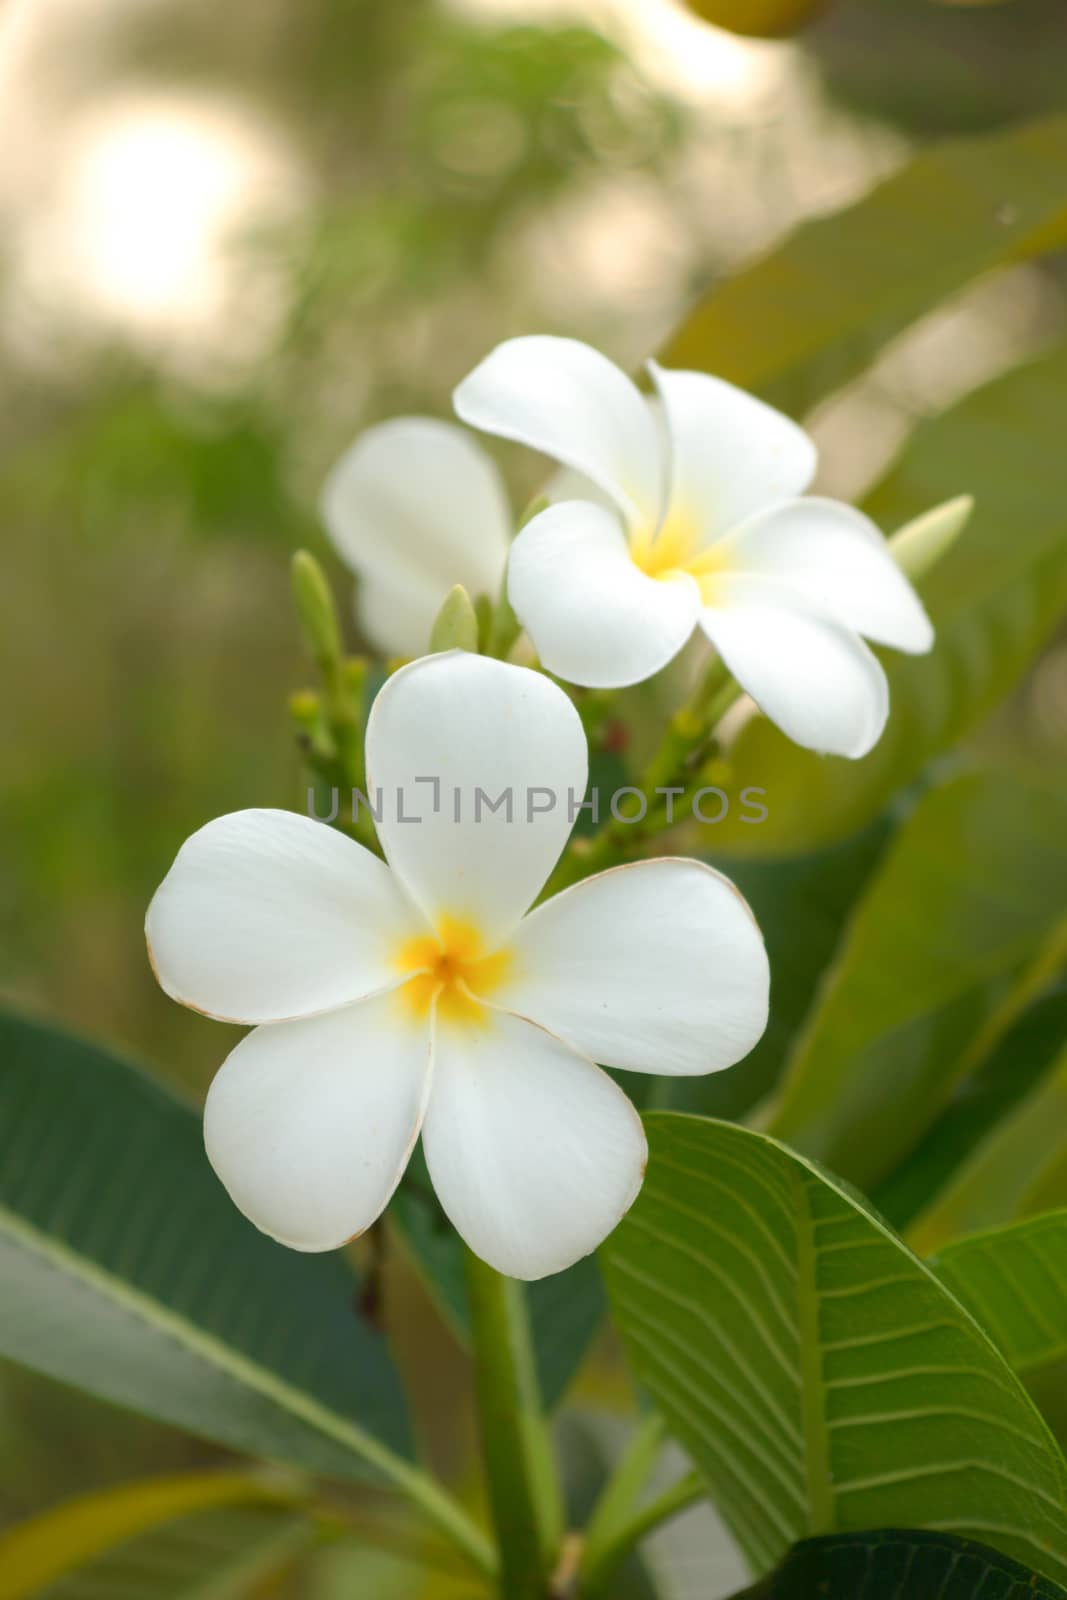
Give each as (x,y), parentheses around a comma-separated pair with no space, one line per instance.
(656,967)
(593,616)
(730,454)
(815,679)
(416,506)
(535,1153)
(310,1124)
(448,726)
(836,558)
(266,915)
(397,614)
(564,398)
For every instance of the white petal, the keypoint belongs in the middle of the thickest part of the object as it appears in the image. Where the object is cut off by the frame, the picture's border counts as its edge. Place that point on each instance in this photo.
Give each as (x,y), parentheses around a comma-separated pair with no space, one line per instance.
(534,1153)
(396,615)
(567,400)
(593,616)
(656,967)
(467,724)
(310,1124)
(838,560)
(815,679)
(731,454)
(416,506)
(266,916)
(568,484)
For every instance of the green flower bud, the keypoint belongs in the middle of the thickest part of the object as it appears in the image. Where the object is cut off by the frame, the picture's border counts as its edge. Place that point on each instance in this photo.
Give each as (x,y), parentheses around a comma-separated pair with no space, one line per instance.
(456,627)
(919,545)
(316,610)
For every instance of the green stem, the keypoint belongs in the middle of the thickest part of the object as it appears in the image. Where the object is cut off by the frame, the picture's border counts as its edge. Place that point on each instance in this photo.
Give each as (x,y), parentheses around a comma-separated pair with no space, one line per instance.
(675,766)
(691,727)
(623,1487)
(600,1563)
(524,1497)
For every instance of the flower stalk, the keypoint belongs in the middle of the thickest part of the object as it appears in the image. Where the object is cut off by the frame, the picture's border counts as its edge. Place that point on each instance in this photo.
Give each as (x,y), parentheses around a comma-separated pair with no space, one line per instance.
(623,1488)
(676,766)
(602,1559)
(524,1495)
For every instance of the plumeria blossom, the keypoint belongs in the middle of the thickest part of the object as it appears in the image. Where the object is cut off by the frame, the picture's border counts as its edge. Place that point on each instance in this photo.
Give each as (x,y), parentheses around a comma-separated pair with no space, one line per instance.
(692,516)
(421,994)
(415,506)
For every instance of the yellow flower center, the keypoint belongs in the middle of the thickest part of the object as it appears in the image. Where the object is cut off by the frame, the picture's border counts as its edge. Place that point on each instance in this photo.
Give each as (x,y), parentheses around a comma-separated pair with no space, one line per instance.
(450,967)
(673,551)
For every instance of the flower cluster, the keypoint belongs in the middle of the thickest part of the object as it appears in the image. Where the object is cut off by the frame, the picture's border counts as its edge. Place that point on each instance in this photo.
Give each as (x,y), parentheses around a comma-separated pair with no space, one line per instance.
(678,512)
(419,994)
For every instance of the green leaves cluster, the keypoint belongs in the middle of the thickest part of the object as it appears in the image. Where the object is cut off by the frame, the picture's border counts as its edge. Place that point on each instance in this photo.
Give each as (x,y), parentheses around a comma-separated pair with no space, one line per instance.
(819,1374)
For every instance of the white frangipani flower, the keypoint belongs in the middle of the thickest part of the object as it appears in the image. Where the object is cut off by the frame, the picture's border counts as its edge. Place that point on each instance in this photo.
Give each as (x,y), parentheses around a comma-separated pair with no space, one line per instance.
(693,518)
(420,993)
(415,506)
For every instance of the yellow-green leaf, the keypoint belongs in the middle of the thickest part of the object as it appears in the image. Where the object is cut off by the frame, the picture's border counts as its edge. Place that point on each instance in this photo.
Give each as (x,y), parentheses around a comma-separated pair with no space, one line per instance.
(967,896)
(36,1555)
(815,311)
(820,1376)
(1012,1280)
(1008,1175)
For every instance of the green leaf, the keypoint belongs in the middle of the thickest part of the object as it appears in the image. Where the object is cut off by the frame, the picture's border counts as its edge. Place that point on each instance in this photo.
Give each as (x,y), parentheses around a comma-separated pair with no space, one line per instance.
(814,312)
(968,893)
(567,1310)
(214,1555)
(199,1536)
(1016,1170)
(1011,1279)
(1002,1082)
(129,1273)
(817,1372)
(907,1564)
(994,600)
(814,893)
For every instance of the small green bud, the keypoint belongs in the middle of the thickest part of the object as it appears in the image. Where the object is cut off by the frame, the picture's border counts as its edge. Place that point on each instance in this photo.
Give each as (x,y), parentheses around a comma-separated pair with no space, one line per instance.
(483,611)
(456,627)
(505,627)
(919,545)
(305,708)
(355,674)
(316,610)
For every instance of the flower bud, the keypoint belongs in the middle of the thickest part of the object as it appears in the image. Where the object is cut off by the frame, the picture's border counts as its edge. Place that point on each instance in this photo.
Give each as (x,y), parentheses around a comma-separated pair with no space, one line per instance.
(315,608)
(920,544)
(456,626)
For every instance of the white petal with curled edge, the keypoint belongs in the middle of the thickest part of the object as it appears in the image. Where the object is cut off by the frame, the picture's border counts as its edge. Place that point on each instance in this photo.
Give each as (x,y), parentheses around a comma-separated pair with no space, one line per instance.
(310,1124)
(838,560)
(568,484)
(266,916)
(655,967)
(564,398)
(535,1153)
(816,680)
(416,506)
(730,454)
(450,735)
(593,616)
(397,614)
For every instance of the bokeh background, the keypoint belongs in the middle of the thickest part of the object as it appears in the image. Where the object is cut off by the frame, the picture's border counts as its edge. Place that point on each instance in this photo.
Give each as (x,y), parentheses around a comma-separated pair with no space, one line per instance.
(233,235)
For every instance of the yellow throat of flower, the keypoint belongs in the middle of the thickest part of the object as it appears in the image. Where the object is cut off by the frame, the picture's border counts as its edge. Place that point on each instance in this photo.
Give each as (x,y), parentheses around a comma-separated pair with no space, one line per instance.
(450,968)
(673,551)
